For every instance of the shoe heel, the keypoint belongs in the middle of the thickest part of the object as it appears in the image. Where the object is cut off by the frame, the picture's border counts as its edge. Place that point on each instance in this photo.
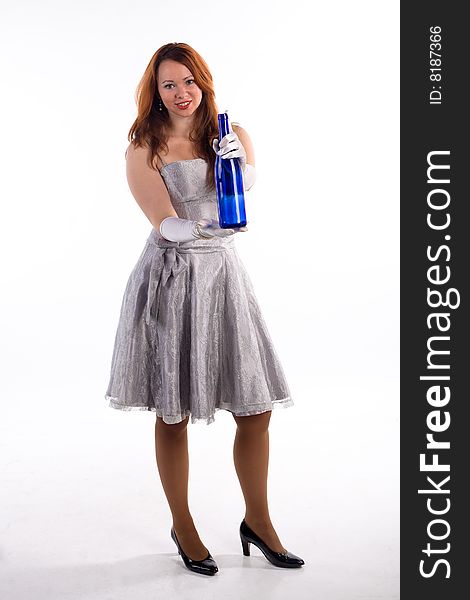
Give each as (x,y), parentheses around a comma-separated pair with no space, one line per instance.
(245,545)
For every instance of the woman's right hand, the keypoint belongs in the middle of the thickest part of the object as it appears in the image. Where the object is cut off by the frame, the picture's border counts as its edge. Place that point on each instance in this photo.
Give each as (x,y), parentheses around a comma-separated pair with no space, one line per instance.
(210,228)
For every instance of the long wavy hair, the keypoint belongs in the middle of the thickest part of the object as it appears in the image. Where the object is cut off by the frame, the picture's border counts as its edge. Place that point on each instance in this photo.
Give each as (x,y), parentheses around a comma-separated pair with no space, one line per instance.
(148,130)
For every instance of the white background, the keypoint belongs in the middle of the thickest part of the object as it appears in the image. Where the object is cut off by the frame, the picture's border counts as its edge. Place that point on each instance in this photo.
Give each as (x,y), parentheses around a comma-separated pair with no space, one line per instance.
(316,86)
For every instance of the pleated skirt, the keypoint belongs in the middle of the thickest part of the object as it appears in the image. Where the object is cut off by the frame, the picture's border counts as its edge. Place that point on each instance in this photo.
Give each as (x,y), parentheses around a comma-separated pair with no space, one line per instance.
(191,338)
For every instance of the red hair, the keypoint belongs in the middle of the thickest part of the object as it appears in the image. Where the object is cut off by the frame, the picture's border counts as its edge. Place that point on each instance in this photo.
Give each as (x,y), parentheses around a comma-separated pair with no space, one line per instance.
(149,127)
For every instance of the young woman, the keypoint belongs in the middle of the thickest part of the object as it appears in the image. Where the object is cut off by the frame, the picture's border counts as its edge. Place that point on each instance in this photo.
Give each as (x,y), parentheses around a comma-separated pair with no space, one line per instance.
(191,339)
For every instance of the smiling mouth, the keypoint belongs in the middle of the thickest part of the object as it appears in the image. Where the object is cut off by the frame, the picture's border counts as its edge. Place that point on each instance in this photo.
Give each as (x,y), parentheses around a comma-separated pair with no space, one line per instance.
(184,104)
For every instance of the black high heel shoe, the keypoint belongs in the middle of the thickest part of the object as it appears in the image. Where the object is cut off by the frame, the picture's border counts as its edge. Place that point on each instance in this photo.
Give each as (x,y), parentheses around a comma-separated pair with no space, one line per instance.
(206,566)
(279,559)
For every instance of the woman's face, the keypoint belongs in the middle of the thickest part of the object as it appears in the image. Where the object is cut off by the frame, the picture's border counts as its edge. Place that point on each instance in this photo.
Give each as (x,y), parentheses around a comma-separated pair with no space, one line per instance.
(176,85)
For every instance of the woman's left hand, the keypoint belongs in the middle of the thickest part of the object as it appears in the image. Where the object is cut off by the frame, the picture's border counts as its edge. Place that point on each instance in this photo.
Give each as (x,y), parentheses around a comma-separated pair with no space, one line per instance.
(230,147)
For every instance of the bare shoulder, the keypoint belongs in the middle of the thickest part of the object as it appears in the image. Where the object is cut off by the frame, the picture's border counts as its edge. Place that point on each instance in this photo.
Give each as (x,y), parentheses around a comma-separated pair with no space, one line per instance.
(245,139)
(138,164)
(133,150)
(238,129)
(147,186)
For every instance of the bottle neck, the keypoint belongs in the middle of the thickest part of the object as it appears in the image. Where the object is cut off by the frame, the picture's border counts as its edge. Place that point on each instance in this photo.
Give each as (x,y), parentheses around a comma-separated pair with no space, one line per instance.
(224,125)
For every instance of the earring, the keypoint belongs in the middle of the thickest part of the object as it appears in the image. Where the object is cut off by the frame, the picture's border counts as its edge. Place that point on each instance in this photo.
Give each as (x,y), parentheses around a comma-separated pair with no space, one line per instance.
(160,105)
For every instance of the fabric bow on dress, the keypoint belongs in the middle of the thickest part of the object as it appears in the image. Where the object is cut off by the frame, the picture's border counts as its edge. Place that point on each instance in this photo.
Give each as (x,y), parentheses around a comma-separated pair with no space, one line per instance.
(166,263)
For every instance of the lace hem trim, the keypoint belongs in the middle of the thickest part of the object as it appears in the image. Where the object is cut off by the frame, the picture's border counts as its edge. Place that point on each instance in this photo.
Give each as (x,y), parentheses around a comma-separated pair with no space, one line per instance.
(113,402)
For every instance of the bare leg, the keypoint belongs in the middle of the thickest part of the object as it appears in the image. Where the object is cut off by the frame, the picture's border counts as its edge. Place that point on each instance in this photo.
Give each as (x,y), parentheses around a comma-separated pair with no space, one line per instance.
(171,449)
(251,458)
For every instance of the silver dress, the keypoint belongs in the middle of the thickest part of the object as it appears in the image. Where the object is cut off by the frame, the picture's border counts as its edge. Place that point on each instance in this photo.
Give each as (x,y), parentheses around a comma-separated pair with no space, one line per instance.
(191,338)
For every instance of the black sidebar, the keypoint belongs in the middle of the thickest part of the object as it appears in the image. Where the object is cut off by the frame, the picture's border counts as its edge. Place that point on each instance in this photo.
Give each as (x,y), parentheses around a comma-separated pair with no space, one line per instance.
(434,301)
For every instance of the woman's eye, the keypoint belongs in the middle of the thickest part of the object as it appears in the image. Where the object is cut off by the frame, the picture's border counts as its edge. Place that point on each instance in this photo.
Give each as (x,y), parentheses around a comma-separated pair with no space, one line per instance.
(189,80)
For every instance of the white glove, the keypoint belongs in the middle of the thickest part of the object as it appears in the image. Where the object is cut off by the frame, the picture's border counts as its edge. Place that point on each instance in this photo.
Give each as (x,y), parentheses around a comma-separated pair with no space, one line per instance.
(175,229)
(210,228)
(249,176)
(230,147)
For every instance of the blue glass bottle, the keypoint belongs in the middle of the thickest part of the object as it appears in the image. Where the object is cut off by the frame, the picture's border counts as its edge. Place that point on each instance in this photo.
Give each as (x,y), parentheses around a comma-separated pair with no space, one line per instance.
(229,184)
